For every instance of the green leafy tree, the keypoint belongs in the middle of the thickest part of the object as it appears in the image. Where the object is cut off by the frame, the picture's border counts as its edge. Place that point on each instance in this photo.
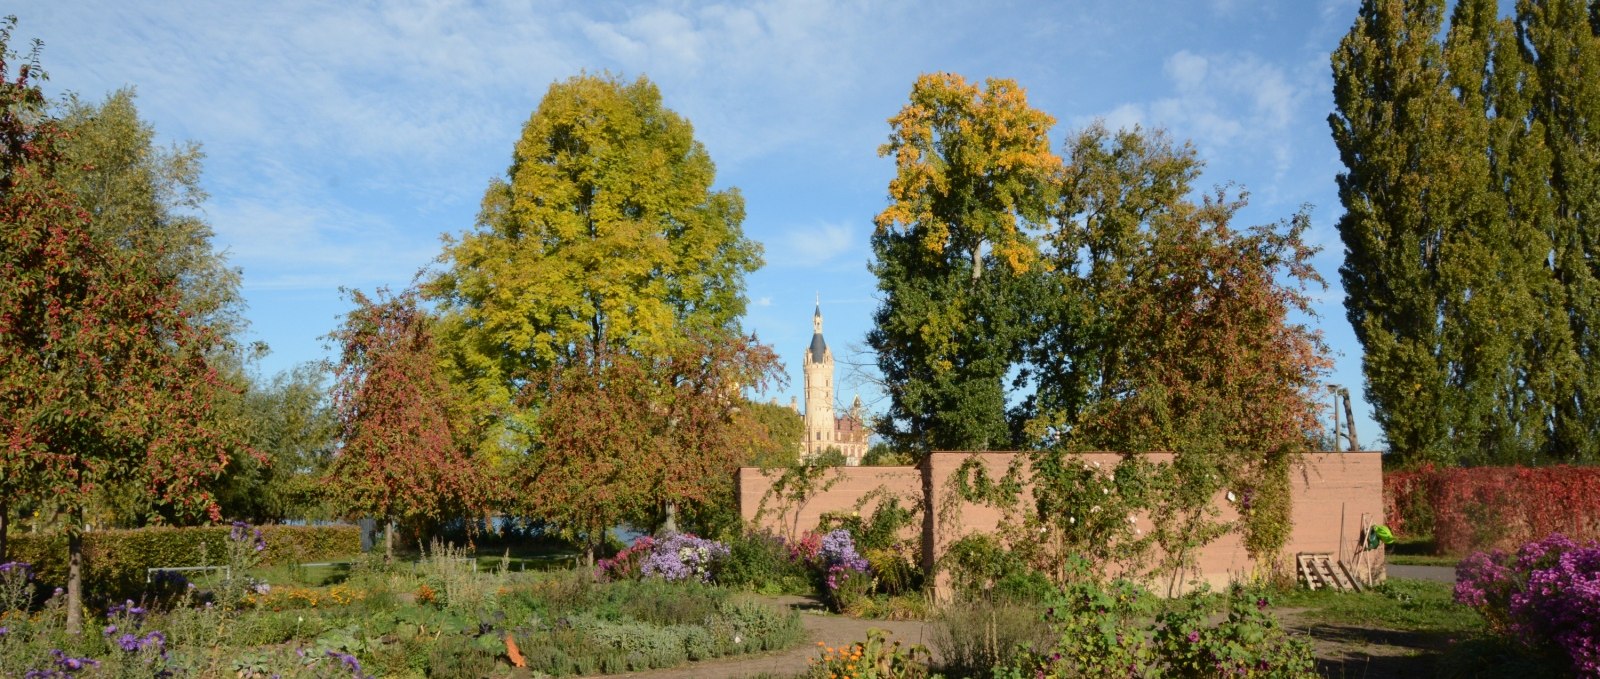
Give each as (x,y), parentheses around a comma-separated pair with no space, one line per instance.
(1468,280)
(103,375)
(781,430)
(605,237)
(1115,187)
(144,197)
(399,456)
(957,261)
(289,421)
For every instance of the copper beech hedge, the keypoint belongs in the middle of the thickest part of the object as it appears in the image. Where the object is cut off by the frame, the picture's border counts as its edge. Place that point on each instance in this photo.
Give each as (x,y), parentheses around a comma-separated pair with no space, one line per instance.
(1471,509)
(115,560)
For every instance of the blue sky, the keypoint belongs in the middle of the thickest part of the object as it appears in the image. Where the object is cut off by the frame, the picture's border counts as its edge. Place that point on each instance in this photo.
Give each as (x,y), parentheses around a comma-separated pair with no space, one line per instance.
(343,139)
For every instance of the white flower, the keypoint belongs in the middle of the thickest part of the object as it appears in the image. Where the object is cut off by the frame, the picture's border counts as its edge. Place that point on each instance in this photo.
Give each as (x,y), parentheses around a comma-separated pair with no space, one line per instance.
(1105,490)
(1231,496)
(1072,519)
(1096,464)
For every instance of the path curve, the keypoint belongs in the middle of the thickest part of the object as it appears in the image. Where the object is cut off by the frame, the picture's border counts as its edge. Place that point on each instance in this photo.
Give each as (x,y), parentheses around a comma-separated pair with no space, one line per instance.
(1443,574)
(828,628)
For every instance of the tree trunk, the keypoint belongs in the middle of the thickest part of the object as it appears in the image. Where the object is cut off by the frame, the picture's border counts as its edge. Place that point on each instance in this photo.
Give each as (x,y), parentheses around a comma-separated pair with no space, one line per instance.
(5,525)
(670,526)
(75,574)
(388,542)
(1350,422)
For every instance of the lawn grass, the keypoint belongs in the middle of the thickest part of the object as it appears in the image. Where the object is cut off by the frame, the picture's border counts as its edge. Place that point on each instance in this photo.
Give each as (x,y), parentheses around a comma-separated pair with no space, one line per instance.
(1418,550)
(1399,604)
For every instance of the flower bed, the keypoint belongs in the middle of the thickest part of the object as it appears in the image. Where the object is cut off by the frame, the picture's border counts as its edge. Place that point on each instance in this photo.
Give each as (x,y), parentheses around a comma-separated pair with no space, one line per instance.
(1545,598)
(376,623)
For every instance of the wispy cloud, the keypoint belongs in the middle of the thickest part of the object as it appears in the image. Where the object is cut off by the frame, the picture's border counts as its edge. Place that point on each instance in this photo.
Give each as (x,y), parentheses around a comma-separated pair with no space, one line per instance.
(811,246)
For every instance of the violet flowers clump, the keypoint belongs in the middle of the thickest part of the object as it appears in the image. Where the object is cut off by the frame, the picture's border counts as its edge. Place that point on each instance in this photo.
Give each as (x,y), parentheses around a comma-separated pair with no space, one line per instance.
(683,556)
(16,586)
(1547,598)
(243,532)
(65,666)
(349,662)
(839,549)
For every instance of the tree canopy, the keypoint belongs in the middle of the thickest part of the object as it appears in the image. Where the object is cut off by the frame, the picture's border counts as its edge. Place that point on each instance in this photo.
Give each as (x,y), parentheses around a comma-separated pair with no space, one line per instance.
(1470,182)
(401,455)
(103,374)
(606,236)
(957,260)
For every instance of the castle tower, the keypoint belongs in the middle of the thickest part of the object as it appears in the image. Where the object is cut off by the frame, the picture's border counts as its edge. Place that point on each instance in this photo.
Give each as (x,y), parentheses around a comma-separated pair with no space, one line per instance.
(818,367)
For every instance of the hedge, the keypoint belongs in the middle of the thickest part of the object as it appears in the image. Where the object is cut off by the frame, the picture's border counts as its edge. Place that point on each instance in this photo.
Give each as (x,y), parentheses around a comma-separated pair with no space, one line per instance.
(1481,508)
(115,560)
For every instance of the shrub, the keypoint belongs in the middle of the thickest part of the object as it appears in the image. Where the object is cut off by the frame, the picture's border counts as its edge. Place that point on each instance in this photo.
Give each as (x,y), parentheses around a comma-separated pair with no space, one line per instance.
(975,636)
(1546,599)
(625,565)
(1121,630)
(760,561)
(1482,508)
(980,567)
(115,560)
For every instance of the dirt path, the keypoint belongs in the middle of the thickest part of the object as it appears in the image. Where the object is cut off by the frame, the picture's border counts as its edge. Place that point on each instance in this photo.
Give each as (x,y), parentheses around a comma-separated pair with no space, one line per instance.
(830,629)
(1372,653)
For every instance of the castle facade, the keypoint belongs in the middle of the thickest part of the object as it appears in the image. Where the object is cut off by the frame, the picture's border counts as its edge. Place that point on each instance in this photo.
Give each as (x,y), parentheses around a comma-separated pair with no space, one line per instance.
(824,428)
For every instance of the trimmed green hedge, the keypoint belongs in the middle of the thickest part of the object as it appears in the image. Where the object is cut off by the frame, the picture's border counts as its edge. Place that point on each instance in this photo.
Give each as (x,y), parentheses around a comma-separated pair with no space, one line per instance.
(115,560)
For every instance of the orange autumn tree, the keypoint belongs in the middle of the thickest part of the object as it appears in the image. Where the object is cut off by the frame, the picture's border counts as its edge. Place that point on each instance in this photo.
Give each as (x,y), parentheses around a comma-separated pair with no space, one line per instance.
(629,439)
(400,455)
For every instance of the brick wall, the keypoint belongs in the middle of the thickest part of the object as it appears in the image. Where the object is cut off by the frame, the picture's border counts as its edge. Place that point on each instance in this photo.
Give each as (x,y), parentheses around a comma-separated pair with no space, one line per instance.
(1334,496)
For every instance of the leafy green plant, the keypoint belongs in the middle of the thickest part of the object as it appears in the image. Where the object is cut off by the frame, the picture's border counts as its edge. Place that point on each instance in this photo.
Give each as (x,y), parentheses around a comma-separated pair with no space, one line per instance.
(974,636)
(875,658)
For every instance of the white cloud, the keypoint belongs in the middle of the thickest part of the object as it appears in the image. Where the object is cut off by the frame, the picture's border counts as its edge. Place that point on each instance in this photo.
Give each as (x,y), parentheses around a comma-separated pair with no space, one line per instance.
(1227,104)
(811,246)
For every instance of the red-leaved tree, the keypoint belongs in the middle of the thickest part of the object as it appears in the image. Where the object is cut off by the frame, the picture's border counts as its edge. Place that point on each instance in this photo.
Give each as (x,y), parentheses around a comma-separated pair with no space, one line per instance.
(103,375)
(628,439)
(399,458)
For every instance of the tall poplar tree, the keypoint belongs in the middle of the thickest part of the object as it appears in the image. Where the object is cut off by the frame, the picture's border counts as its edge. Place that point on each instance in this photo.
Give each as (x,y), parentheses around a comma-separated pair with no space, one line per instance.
(1409,196)
(957,260)
(1469,194)
(1563,91)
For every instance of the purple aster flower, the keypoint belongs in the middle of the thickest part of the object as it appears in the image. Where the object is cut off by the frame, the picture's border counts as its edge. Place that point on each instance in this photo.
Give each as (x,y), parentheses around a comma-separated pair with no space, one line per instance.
(1194,637)
(128,642)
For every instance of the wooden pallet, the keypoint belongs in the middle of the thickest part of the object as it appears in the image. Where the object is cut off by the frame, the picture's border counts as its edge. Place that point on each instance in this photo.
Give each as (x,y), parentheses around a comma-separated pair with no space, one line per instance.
(1319,571)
